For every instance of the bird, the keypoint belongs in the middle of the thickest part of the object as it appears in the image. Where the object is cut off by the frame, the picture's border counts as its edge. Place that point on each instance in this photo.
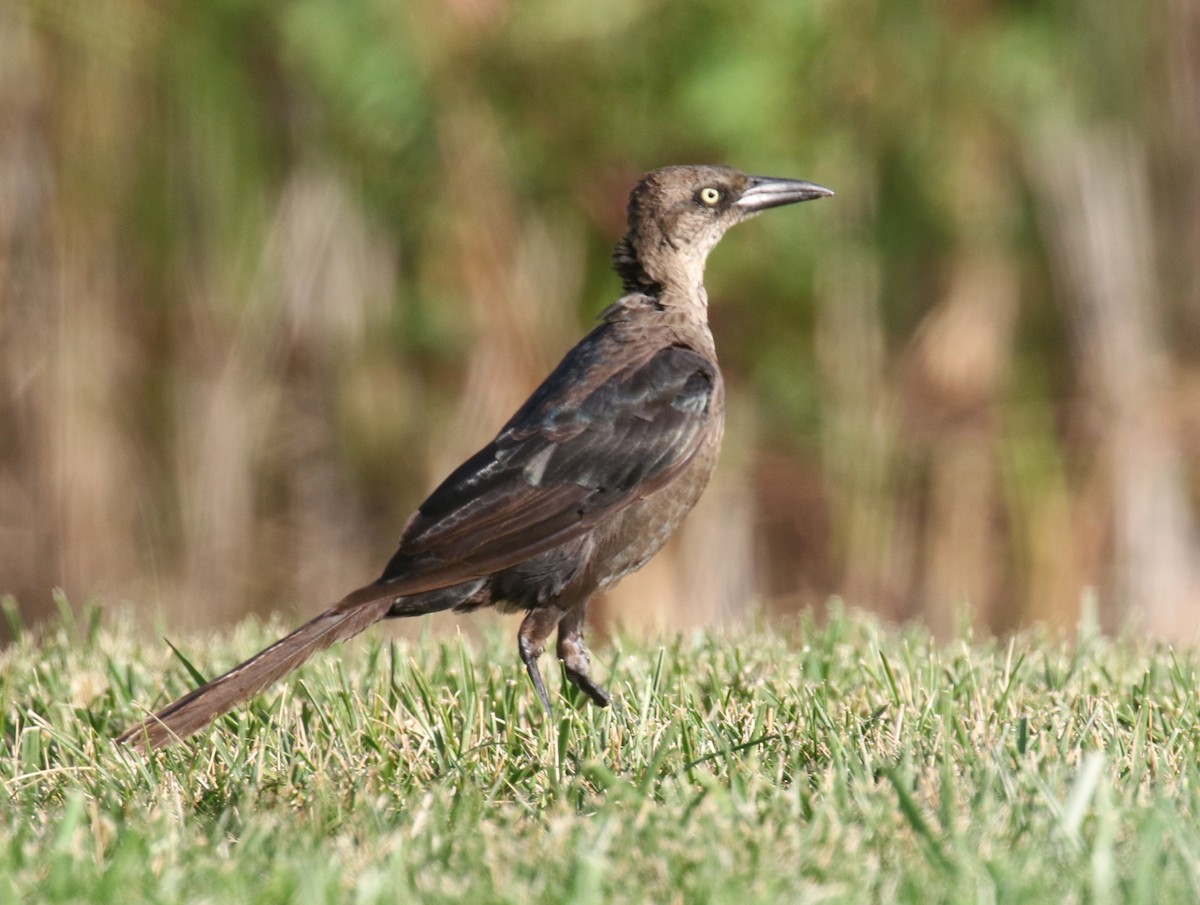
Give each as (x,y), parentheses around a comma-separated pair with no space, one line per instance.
(582,485)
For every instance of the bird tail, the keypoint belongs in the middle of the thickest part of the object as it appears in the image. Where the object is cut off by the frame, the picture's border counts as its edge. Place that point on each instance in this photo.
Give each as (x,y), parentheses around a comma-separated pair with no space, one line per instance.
(357,611)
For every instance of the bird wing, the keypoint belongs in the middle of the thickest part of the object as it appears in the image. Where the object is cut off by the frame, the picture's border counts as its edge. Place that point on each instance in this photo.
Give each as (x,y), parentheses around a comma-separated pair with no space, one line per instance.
(577,452)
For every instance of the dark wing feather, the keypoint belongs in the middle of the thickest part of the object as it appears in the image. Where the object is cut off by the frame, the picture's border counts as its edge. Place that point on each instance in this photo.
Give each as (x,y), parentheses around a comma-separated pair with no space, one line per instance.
(566,461)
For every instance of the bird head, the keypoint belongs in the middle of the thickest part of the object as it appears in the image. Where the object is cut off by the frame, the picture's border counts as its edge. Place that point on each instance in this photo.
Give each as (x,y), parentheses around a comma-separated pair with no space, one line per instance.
(678,214)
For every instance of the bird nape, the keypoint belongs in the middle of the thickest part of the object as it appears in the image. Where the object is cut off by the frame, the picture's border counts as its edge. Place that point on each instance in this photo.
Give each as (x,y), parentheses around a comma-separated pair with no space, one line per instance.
(582,485)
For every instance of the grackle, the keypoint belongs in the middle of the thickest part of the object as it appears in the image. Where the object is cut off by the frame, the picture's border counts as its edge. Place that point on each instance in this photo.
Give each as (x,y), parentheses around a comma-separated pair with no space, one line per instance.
(582,485)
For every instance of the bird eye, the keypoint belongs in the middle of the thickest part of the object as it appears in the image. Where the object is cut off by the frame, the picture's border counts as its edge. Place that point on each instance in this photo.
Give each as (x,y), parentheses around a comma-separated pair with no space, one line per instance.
(710,195)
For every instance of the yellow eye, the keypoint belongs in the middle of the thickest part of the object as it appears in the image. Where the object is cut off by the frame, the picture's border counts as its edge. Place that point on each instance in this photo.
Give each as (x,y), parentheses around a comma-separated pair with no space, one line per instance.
(710,195)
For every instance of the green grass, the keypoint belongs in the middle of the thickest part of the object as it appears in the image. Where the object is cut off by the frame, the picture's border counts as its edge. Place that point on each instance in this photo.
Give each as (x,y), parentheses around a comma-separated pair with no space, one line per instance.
(839,763)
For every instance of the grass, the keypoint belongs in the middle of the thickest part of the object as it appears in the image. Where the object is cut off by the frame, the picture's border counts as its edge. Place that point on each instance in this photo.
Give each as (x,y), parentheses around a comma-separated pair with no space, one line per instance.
(845,762)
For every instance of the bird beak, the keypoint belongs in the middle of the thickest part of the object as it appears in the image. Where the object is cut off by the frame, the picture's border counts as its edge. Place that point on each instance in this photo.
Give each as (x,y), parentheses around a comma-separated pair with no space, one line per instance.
(765,192)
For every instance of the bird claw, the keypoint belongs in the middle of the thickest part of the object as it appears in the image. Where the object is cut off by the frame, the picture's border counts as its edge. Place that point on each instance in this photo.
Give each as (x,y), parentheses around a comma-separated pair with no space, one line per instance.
(577,664)
(588,686)
(539,686)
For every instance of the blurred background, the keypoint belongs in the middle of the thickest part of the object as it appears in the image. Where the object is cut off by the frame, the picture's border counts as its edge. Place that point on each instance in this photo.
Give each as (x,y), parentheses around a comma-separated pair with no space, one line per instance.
(268,270)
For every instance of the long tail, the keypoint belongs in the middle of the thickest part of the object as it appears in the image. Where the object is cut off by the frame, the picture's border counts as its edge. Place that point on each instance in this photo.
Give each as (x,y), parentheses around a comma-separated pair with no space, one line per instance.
(195,710)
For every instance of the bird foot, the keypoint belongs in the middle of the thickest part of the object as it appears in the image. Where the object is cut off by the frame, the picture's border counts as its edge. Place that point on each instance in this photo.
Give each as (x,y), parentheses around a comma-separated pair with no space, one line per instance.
(588,686)
(531,641)
(578,667)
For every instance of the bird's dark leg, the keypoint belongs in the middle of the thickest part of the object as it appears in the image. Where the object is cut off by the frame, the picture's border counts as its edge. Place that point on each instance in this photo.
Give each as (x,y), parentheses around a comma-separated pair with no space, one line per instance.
(531,641)
(574,655)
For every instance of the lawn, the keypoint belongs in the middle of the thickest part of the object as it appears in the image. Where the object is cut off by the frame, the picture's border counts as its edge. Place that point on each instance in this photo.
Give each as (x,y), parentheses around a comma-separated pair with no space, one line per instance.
(837,762)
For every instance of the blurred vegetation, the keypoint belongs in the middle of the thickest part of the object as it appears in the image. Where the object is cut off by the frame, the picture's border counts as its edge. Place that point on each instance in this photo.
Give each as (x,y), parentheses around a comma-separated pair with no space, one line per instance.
(267,270)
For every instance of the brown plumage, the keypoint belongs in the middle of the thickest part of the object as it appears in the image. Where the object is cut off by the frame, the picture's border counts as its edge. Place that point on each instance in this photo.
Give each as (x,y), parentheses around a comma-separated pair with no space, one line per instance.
(583,484)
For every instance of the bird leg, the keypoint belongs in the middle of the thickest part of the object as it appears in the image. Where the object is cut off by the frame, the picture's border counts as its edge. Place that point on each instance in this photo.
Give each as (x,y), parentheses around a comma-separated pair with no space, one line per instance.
(531,641)
(574,655)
